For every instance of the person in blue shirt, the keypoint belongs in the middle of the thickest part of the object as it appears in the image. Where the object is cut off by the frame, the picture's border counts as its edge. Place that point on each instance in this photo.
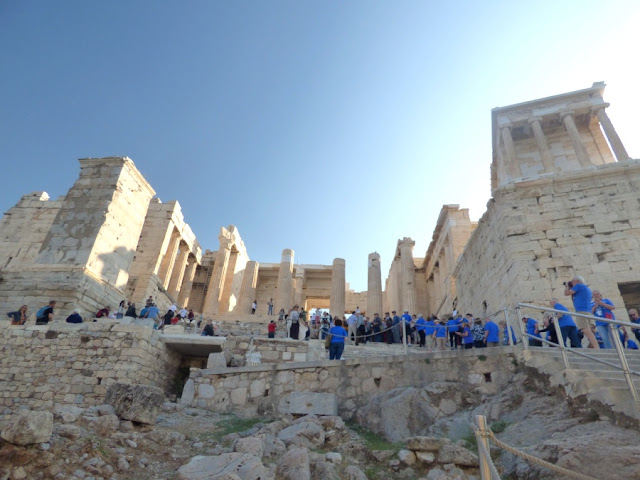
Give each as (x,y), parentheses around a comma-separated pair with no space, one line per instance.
(429,330)
(421,327)
(466,335)
(603,308)
(581,296)
(491,333)
(406,320)
(505,334)
(531,327)
(338,334)
(440,335)
(567,325)
(452,328)
(397,333)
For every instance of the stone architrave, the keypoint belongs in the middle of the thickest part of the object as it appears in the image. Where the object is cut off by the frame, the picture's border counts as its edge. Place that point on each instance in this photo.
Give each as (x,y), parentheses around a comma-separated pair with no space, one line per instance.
(407,274)
(248,288)
(212,300)
(572,130)
(541,141)
(178,271)
(187,282)
(285,281)
(338,288)
(612,136)
(374,286)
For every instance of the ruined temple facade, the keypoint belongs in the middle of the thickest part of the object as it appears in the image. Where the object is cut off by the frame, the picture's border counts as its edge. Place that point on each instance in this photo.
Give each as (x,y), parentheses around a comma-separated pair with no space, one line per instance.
(565,201)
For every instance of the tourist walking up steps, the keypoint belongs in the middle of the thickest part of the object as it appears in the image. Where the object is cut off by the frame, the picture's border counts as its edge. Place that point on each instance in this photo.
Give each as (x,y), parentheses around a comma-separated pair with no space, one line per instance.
(581,296)
(19,317)
(338,335)
(477,330)
(45,314)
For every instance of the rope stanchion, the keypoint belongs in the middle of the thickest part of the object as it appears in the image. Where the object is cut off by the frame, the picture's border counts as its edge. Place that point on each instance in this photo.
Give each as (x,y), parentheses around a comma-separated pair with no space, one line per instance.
(483,451)
(526,456)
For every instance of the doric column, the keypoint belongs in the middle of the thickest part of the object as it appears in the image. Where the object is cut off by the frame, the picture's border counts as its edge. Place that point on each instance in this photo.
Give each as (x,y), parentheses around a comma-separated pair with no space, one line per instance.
(338,288)
(612,136)
(169,259)
(572,130)
(248,287)
(407,275)
(178,272)
(187,282)
(285,281)
(543,146)
(216,282)
(513,167)
(374,286)
(299,287)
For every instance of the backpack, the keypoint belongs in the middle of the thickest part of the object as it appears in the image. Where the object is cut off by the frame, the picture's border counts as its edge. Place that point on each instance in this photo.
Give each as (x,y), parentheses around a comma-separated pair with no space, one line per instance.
(40,313)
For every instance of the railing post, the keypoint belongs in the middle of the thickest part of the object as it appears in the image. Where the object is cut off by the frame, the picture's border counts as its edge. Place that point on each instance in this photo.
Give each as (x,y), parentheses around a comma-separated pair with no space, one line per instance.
(565,358)
(509,334)
(404,335)
(623,360)
(525,339)
(481,423)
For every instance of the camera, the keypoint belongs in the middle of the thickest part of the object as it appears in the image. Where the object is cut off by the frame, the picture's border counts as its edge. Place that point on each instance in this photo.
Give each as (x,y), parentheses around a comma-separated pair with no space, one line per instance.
(568,284)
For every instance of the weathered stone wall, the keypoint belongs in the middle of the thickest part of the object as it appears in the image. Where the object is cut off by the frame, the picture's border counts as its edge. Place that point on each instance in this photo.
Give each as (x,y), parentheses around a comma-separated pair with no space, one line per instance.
(272,350)
(41,366)
(537,234)
(266,388)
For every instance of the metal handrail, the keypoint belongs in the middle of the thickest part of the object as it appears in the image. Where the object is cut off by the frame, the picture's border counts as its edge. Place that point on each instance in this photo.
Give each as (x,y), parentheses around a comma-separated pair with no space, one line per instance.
(624,365)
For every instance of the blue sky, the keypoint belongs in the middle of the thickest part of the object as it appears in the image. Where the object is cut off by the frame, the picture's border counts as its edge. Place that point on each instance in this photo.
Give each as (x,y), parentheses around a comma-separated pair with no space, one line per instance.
(332,128)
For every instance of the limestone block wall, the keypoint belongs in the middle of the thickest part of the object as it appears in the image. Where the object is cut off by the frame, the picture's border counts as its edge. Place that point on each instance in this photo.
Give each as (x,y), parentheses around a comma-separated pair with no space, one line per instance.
(41,366)
(266,287)
(537,234)
(271,350)
(354,299)
(24,227)
(266,388)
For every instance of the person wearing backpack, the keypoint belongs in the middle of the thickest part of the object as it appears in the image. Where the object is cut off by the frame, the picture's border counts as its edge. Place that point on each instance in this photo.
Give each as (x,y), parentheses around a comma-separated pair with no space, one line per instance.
(45,314)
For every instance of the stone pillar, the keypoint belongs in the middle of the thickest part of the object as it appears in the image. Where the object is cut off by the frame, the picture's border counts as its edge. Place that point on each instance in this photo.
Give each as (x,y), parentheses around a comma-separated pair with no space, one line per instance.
(169,259)
(298,297)
(178,272)
(338,288)
(285,281)
(407,275)
(513,167)
(374,286)
(248,288)
(187,282)
(572,130)
(216,282)
(541,141)
(612,136)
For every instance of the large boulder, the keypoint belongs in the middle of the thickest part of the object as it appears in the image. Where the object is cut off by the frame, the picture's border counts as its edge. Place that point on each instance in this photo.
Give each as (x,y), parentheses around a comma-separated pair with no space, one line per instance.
(306,434)
(138,403)
(294,465)
(27,427)
(458,455)
(242,465)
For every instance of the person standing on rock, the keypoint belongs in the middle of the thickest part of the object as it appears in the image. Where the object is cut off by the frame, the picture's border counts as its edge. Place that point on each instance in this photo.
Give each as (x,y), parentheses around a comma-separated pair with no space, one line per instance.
(582,296)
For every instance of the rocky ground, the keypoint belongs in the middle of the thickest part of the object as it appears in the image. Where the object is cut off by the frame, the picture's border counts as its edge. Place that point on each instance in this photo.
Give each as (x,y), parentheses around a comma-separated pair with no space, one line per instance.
(411,433)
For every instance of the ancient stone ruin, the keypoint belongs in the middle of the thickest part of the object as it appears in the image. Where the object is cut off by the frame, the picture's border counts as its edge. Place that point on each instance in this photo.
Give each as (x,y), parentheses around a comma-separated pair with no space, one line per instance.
(117,398)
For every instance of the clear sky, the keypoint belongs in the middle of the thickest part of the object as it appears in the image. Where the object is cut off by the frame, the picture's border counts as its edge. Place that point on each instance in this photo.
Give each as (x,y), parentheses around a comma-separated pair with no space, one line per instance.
(332,128)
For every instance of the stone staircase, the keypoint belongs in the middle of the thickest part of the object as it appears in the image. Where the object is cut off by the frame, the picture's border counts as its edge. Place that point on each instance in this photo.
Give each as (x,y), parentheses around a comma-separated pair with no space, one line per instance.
(589,378)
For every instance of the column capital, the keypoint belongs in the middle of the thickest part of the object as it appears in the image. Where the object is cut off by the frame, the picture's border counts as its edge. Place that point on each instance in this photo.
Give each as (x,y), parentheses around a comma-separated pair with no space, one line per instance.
(597,108)
(566,113)
(534,119)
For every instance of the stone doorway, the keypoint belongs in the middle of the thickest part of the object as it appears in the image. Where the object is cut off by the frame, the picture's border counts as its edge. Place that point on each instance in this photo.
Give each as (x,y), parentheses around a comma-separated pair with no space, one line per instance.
(630,292)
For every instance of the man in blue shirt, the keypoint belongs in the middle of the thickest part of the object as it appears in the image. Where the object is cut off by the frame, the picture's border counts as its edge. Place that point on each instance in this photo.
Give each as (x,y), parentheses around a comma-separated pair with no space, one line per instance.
(429,330)
(581,296)
(406,320)
(421,326)
(603,308)
(491,333)
(567,326)
(531,327)
(397,334)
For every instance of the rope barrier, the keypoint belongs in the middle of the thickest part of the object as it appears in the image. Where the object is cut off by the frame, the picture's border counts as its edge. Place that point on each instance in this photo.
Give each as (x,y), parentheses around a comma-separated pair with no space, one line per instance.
(483,451)
(526,456)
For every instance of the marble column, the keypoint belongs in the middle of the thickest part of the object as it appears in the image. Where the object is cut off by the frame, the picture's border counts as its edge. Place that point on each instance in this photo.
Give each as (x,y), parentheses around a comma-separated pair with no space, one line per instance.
(513,166)
(574,134)
(338,288)
(407,274)
(374,286)
(612,136)
(187,282)
(285,281)
(169,259)
(178,272)
(298,288)
(248,287)
(541,141)
(216,282)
